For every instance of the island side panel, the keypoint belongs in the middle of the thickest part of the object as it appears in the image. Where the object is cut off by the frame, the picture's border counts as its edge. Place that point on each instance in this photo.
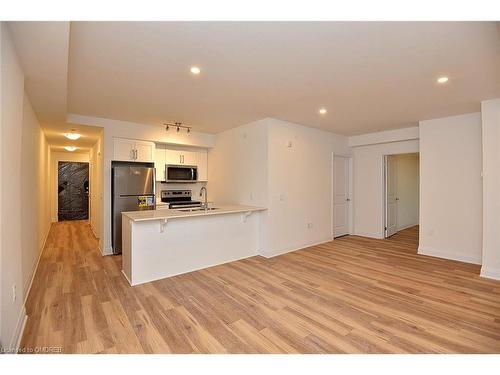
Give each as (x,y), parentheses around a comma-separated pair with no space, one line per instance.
(127,248)
(192,243)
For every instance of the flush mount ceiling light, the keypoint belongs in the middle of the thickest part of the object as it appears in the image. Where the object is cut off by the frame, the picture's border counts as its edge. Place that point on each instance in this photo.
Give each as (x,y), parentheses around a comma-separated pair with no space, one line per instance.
(322,111)
(442,79)
(70,148)
(195,70)
(72,135)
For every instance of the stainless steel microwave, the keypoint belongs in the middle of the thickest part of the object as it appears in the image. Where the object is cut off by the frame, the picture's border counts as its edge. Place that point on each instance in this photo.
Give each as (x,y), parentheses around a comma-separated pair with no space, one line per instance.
(181,173)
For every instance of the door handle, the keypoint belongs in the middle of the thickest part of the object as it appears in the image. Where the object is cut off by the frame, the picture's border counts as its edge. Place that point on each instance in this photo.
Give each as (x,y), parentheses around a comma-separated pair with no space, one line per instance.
(348,199)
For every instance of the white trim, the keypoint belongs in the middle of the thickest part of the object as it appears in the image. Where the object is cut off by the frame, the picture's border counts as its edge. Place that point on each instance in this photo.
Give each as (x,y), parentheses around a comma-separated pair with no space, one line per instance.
(490,273)
(291,249)
(23,318)
(27,288)
(92,229)
(15,341)
(108,251)
(377,236)
(447,255)
(386,136)
(407,226)
(125,275)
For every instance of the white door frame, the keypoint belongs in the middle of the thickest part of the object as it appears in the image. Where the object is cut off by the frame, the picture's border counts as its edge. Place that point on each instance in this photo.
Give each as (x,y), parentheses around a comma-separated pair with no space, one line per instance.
(350,193)
(384,200)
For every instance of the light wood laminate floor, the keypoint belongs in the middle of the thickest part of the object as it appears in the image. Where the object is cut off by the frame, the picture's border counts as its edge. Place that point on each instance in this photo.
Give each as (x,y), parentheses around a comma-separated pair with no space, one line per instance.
(352,295)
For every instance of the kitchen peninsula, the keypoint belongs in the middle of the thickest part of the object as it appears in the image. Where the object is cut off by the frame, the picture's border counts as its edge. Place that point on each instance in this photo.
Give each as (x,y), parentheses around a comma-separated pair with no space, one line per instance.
(164,243)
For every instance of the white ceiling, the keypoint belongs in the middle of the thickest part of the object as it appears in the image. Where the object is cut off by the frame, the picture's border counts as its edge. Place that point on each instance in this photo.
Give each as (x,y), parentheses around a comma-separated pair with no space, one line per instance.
(43,50)
(370,76)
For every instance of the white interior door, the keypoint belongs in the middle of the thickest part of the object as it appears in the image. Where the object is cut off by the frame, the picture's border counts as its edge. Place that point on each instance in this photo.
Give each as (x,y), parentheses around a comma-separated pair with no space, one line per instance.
(341,198)
(391,200)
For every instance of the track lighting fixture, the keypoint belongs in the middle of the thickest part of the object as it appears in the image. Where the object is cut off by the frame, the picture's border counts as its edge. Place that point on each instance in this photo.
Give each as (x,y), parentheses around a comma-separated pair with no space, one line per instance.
(178,126)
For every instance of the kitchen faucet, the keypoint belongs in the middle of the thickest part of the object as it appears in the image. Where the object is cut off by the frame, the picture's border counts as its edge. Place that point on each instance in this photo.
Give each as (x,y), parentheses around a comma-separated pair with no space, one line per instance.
(206,196)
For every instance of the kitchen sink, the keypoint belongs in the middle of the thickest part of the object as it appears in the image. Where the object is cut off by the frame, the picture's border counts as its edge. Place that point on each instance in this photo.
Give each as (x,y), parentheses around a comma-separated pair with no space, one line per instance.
(198,209)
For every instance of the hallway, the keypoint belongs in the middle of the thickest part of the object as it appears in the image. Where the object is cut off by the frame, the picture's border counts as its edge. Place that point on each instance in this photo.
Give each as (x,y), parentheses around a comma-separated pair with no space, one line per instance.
(351,295)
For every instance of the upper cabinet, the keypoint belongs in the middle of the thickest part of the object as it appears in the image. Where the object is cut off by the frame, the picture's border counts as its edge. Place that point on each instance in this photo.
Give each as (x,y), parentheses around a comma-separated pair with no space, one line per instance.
(133,150)
(202,163)
(178,157)
(165,155)
(160,157)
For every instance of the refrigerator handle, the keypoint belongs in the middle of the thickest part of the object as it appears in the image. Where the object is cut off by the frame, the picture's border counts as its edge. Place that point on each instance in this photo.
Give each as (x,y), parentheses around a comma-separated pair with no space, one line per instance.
(154,183)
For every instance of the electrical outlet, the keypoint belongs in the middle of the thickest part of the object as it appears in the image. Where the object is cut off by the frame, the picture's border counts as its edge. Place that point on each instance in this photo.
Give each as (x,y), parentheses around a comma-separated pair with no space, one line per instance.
(14,292)
(282,197)
(309,225)
(251,196)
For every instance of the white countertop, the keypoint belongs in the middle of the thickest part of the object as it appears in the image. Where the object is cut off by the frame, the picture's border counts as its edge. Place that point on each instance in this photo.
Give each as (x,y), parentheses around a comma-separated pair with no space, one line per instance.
(167,214)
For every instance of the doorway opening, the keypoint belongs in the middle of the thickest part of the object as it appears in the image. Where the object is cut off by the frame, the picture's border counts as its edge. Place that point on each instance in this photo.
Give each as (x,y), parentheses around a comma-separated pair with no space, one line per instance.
(401,193)
(72,190)
(342,202)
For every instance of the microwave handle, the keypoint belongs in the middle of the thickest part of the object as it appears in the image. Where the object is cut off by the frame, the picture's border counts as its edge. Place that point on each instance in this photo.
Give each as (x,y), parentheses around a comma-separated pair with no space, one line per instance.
(192,174)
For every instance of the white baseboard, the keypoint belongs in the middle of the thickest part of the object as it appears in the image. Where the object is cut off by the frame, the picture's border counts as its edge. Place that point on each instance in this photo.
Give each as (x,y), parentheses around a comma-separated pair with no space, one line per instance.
(290,249)
(490,273)
(93,230)
(369,235)
(15,340)
(407,226)
(27,287)
(108,251)
(23,318)
(446,255)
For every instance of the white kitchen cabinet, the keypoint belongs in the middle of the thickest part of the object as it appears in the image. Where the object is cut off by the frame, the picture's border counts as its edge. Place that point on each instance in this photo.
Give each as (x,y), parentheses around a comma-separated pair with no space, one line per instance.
(189,157)
(202,164)
(160,161)
(123,149)
(180,157)
(165,155)
(144,151)
(172,157)
(133,150)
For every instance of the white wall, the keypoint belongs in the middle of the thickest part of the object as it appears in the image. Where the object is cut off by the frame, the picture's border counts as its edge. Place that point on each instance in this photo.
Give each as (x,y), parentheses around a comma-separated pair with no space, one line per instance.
(125,129)
(451,188)
(300,185)
(369,184)
(35,207)
(490,110)
(56,157)
(408,185)
(284,167)
(12,119)
(237,165)
(24,188)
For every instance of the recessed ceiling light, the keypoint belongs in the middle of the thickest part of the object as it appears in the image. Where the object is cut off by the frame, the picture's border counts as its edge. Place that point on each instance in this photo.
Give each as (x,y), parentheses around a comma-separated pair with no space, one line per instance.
(322,111)
(70,148)
(72,135)
(442,79)
(195,70)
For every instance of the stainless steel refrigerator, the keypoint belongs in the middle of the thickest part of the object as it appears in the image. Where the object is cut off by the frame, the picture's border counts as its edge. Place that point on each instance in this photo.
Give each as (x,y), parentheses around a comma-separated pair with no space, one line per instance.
(132,189)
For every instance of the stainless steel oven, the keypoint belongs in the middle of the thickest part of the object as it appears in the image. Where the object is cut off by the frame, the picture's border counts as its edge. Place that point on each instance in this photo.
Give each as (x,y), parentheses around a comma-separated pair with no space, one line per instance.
(181,173)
